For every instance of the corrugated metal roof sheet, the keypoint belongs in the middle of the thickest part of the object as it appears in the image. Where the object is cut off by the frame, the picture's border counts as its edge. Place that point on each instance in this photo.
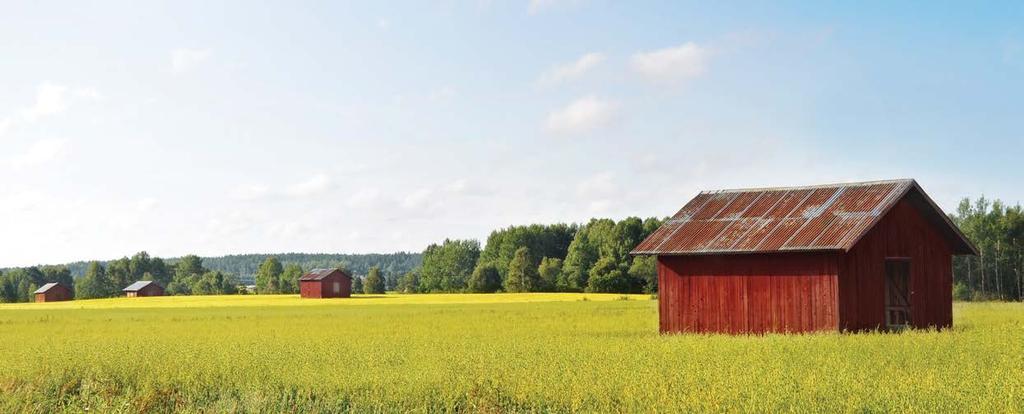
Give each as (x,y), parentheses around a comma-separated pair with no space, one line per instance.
(137,286)
(44,288)
(319,274)
(815,218)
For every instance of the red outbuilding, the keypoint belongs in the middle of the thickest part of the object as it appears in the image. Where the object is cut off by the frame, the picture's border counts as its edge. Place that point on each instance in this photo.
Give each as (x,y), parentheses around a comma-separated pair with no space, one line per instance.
(53,292)
(325,283)
(857,256)
(143,288)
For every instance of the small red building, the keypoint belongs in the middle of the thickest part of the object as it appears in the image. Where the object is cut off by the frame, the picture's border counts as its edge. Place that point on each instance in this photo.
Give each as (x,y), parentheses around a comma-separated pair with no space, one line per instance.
(858,256)
(53,292)
(325,283)
(143,288)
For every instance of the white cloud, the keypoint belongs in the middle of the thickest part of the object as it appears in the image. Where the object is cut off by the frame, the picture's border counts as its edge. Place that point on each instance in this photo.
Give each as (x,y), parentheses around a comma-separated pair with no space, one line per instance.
(465,187)
(364,197)
(88,93)
(570,71)
(184,60)
(417,198)
(601,184)
(146,204)
(443,94)
(50,99)
(672,64)
(537,6)
(383,23)
(251,192)
(40,152)
(583,115)
(316,184)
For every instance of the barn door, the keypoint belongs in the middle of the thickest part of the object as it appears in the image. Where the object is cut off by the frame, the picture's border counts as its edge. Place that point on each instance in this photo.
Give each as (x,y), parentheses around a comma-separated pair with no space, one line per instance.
(897,293)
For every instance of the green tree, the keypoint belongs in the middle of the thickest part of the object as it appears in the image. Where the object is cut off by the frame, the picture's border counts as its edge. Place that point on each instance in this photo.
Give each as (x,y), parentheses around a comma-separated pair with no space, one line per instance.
(119,273)
(374,283)
(522,274)
(447,267)
(550,272)
(542,240)
(357,284)
(576,266)
(408,283)
(289,282)
(94,284)
(645,268)
(485,279)
(268,277)
(607,276)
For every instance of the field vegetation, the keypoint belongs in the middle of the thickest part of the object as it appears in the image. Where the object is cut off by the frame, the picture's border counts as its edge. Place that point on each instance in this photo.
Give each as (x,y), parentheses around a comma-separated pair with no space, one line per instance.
(560,352)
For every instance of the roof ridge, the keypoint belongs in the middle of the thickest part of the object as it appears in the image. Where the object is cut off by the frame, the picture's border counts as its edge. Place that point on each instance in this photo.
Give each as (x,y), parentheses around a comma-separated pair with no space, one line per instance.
(811,187)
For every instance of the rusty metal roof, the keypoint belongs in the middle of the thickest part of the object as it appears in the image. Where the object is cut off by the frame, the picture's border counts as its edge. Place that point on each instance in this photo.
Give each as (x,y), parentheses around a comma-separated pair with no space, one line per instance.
(829,217)
(320,274)
(46,287)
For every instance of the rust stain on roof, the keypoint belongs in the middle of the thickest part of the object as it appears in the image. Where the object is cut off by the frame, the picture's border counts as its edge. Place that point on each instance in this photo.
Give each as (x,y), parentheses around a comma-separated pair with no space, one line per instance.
(790,219)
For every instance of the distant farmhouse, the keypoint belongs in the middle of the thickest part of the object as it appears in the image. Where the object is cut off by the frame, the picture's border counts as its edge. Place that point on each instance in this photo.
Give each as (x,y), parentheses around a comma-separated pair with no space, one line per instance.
(858,256)
(53,292)
(325,283)
(143,288)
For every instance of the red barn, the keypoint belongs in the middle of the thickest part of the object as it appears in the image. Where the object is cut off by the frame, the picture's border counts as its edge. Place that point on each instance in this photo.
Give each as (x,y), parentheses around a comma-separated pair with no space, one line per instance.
(53,292)
(858,256)
(325,283)
(143,288)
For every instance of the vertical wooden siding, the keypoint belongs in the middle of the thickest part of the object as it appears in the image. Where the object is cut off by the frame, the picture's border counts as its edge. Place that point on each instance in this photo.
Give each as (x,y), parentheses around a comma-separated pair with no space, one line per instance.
(309,288)
(902,232)
(324,288)
(791,292)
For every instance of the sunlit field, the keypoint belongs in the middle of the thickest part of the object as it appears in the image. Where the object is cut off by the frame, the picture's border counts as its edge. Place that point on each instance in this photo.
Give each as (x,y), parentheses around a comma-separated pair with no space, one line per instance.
(507,352)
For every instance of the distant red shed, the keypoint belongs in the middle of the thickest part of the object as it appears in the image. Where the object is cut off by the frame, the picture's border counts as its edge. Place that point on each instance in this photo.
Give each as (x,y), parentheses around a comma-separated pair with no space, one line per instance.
(143,288)
(858,256)
(53,292)
(325,283)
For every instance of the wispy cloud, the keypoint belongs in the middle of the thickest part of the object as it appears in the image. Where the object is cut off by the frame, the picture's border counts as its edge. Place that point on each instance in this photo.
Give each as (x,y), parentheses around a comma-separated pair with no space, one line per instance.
(583,115)
(50,99)
(314,185)
(185,60)
(40,152)
(672,64)
(570,71)
(538,6)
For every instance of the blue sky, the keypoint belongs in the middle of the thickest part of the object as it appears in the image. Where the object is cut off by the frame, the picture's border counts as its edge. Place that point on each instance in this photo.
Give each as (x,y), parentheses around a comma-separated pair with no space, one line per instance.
(194,127)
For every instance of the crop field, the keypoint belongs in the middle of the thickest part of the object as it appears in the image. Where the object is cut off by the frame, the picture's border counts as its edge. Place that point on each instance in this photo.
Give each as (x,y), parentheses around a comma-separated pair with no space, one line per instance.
(491,353)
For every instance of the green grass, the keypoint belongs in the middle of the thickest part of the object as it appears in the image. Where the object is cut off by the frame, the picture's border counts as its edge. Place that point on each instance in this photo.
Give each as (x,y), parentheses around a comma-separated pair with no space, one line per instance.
(513,352)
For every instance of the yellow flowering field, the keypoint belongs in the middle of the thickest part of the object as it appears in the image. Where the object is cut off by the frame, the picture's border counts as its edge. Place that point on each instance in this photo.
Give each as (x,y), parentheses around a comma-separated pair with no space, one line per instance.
(482,353)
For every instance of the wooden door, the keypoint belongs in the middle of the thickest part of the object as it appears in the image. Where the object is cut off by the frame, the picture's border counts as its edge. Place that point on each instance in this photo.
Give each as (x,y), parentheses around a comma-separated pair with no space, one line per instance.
(897,293)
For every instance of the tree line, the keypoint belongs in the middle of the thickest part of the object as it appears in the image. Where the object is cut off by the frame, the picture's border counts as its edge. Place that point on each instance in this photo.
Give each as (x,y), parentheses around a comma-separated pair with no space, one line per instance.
(997,231)
(246,265)
(186,276)
(592,257)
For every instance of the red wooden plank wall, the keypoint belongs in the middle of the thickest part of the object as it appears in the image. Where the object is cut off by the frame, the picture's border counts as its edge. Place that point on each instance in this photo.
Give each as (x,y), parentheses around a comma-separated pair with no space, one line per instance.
(793,292)
(902,232)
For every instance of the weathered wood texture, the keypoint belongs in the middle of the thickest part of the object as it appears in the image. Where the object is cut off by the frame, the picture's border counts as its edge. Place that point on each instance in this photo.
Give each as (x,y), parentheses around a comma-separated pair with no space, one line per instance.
(57,293)
(325,288)
(756,293)
(902,233)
